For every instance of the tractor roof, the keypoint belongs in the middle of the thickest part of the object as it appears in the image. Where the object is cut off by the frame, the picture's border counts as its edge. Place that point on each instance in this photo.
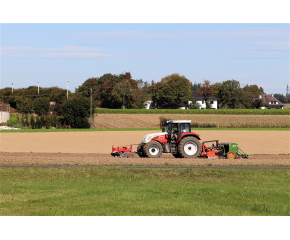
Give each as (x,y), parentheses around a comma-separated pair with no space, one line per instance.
(179,121)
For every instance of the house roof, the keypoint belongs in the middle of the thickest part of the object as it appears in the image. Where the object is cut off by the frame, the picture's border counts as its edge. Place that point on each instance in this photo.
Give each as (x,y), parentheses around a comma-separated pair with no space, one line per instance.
(267,98)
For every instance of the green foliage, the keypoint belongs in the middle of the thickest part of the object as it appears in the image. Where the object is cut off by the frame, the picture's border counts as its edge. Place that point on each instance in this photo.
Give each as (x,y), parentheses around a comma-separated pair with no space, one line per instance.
(172,88)
(14,121)
(194,88)
(112,91)
(197,111)
(76,112)
(32,122)
(282,98)
(22,99)
(230,94)
(241,125)
(41,105)
(250,96)
(24,105)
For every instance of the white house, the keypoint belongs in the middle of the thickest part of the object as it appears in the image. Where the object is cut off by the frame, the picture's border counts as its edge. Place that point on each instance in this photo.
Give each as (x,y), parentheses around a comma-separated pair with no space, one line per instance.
(149,104)
(272,102)
(213,102)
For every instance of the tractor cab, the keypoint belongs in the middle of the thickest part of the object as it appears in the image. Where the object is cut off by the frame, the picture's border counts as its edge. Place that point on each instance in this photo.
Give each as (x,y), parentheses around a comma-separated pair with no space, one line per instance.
(174,128)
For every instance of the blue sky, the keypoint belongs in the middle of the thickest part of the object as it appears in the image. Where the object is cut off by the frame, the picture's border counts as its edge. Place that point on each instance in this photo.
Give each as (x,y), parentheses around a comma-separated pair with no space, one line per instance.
(252,53)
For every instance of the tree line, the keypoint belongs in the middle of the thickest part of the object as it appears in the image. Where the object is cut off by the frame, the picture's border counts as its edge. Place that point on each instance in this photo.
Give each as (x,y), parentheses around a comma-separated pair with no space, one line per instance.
(122,91)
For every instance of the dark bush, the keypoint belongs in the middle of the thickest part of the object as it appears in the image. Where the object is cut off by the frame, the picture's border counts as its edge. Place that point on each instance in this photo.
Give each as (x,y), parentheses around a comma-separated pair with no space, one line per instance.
(76,112)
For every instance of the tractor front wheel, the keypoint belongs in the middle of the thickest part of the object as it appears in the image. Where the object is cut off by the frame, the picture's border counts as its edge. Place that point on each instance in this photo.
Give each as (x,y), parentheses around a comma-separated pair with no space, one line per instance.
(153,149)
(189,147)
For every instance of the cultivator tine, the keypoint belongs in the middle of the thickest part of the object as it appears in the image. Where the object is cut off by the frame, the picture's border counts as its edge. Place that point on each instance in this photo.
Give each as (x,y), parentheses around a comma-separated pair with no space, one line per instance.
(123,151)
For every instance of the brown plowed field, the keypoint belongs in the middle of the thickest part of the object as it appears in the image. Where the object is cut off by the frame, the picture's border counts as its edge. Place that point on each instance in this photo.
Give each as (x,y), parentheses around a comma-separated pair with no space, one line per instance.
(16,147)
(153,120)
(106,159)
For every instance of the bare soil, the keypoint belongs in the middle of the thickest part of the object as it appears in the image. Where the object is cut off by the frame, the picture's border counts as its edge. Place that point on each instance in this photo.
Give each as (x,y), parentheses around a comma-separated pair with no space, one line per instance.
(251,142)
(107,159)
(95,148)
(153,120)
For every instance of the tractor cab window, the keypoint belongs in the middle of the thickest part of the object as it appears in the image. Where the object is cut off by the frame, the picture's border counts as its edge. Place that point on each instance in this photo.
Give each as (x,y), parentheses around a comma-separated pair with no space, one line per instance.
(175,128)
(169,128)
(184,127)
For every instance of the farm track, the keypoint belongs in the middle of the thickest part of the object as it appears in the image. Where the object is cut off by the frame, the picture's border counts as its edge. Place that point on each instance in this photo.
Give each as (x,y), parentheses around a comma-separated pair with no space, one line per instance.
(166,160)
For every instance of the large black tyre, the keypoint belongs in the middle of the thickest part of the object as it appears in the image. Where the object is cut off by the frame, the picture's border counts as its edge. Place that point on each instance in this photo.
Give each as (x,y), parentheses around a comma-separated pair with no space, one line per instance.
(140,150)
(153,149)
(189,147)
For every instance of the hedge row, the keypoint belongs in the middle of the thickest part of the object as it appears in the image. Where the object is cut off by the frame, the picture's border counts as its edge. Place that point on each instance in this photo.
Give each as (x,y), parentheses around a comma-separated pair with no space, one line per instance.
(240,125)
(196,111)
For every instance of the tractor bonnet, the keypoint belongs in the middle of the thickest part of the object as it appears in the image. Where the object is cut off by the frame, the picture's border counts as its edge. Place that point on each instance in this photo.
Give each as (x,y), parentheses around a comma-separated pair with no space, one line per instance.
(148,137)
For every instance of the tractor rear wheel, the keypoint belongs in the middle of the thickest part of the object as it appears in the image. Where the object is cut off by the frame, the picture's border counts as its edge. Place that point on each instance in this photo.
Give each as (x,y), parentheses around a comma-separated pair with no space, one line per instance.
(189,147)
(153,149)
(231,155)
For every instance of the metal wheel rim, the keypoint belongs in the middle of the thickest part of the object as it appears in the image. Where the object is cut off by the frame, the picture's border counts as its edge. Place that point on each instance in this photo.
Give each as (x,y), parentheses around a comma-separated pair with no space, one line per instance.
(190,148)
(153,150)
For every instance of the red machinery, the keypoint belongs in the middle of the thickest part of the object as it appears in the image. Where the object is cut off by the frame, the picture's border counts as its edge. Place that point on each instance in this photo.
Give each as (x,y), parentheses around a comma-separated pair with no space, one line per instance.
(123,151)
(213,152)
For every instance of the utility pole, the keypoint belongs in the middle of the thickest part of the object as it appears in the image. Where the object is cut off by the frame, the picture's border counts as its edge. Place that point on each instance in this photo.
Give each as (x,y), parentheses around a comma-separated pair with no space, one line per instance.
(67,89)
(91,109)
(12,87)
(38,88)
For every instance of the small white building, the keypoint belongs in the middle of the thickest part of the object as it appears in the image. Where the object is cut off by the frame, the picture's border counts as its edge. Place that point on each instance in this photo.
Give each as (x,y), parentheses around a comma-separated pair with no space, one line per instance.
(149,104)
(213,102)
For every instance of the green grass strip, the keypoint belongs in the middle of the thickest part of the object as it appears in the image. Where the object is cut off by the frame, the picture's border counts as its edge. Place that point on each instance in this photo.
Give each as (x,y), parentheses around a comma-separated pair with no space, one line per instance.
(196,111)
(144,192)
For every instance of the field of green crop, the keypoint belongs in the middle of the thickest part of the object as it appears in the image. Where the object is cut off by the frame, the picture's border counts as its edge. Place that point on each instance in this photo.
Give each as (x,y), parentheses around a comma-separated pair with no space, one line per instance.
(143,192)
(197,111)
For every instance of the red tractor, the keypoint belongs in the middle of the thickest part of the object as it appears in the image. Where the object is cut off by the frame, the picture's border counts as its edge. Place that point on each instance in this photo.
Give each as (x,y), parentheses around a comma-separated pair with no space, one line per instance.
(177,139)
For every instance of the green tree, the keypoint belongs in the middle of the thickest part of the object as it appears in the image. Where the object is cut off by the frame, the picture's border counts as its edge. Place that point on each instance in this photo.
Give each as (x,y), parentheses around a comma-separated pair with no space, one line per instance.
(172,88)
(38,123)
(76,112)
(32,122)
(230,94)
(123,93)
(41,105)
(194,88)
(24,105)
(250,96)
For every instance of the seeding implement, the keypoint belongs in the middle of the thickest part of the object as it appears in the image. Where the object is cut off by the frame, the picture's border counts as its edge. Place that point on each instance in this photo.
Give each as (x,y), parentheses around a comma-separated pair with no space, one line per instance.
(181,143)
(222,150)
